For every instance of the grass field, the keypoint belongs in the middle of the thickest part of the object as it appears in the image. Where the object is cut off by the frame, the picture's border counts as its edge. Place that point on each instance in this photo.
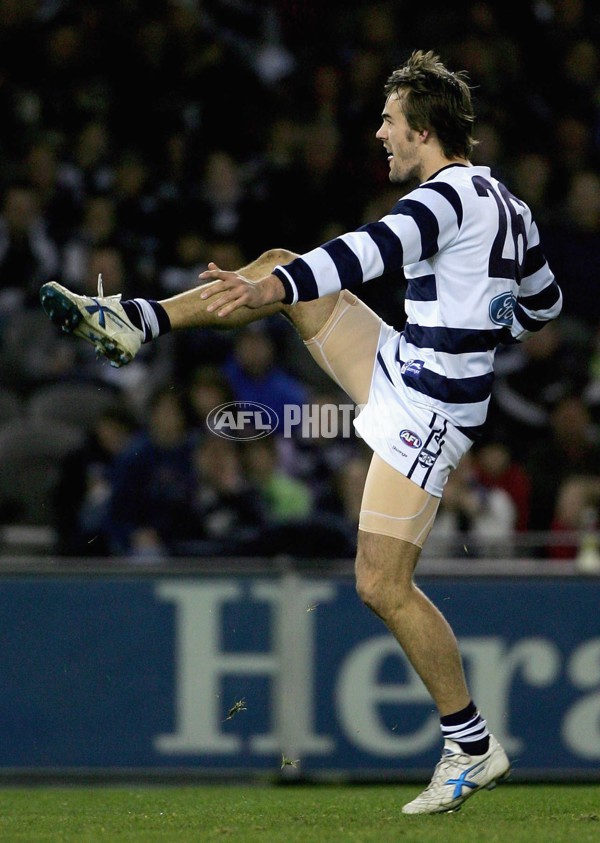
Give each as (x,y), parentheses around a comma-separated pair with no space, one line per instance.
(293,814)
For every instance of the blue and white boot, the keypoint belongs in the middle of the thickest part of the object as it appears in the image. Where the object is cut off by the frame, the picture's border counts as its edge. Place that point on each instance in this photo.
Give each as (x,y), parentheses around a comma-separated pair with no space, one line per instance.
(458,776)
(99,320)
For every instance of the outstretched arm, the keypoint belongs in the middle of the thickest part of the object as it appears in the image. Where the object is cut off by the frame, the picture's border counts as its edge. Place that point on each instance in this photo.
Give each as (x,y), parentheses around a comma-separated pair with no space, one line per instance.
(401,237)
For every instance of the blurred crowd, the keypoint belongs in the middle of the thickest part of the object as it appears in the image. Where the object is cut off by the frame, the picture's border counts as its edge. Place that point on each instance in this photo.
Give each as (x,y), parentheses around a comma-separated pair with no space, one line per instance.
(142,139)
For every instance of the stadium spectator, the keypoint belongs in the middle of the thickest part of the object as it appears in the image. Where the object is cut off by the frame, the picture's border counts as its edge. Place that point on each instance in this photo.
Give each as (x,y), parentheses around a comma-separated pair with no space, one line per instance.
(84,487)
(192,349)
(530,378)
(496,468)
(294,525)
(153,481)
(321,441)
(28,254)
(87,161)
(285,498)
(223,205)
(183,261)
(225,513)
(530,171)
(255,374)
(576,512)
(58,198)
(207,388)
(573,238)
(97,229)
(474,520)
(138,214)
(573,449)
(341,495)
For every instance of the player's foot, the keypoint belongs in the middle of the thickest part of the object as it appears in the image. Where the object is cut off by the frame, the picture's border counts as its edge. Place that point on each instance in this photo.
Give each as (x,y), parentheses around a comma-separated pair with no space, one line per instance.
(101,321)
(458,776)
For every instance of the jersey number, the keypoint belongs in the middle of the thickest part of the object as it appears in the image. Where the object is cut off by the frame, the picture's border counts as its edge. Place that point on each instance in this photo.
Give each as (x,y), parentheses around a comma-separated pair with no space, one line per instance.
(500,266)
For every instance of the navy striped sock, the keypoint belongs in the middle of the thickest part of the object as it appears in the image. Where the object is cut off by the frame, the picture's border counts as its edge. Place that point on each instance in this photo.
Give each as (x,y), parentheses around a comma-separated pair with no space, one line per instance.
(149,316)
(468,729)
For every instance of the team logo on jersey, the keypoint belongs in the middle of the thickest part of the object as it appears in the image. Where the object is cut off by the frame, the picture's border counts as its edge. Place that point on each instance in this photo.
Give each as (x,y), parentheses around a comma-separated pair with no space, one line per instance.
(501,309)
(411,439)
(242,420)
(412,367)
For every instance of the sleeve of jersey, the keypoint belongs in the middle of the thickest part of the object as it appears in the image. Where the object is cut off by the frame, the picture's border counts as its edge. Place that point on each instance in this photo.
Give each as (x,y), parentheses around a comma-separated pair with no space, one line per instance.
(417,227)
(539,300)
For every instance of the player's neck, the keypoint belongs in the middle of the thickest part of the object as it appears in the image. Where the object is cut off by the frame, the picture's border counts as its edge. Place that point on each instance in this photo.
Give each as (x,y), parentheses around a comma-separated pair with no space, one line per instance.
(440,162)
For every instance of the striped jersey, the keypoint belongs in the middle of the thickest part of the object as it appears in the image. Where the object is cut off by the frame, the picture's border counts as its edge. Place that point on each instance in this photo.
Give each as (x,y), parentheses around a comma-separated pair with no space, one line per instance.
(476,276)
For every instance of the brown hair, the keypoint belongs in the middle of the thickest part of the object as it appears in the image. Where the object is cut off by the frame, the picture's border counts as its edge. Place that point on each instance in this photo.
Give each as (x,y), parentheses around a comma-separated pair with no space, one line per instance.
(437,99)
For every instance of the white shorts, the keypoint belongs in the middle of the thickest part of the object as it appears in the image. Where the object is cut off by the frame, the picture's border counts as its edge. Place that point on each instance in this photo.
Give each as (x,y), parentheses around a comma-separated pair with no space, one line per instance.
(419,443)
(414,440)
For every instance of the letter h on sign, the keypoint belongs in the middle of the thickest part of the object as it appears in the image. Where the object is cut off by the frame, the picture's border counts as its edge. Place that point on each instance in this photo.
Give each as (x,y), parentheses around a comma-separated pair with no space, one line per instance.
(201,664)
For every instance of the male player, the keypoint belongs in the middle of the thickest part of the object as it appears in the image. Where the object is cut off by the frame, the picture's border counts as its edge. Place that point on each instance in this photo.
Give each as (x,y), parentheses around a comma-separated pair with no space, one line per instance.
(476,277)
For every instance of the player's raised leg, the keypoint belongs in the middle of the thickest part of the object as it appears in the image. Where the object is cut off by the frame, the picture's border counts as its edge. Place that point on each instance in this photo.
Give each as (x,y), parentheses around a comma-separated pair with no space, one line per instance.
(117,328)
(189,310)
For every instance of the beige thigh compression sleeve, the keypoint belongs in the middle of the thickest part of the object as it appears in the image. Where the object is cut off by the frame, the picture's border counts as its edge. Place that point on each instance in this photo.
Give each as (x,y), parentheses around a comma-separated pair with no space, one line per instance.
(346,345)
(395,506)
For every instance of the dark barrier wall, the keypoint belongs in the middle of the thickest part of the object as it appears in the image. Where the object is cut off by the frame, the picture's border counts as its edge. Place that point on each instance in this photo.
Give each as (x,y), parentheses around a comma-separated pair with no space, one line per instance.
(222,674)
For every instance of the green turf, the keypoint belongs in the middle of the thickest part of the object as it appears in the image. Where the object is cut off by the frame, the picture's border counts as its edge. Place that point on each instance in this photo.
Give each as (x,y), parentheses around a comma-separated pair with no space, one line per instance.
(293,814)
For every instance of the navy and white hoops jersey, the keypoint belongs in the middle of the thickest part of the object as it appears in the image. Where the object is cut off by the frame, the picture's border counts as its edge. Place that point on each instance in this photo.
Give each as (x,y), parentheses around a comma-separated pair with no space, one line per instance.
(476,276)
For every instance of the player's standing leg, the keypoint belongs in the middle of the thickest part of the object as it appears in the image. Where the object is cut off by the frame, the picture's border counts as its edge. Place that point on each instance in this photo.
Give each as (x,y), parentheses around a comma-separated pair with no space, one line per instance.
(396,516)
(472,759)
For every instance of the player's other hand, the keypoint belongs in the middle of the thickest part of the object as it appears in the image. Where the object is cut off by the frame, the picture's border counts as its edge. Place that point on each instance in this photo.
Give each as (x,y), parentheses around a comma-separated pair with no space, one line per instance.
(231,291)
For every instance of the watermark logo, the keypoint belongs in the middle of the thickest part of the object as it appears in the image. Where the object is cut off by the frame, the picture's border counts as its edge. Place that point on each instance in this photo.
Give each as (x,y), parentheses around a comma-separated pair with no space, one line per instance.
(250,420)
(246,420)
(319,421)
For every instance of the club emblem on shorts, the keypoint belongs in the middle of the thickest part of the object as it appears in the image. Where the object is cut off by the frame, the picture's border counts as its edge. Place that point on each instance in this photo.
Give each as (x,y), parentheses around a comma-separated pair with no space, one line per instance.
(427,459)
(501,309)
(411,439)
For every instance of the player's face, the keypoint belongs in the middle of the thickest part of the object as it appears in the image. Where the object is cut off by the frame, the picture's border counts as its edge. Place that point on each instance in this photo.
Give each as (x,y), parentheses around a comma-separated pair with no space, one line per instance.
(400,141)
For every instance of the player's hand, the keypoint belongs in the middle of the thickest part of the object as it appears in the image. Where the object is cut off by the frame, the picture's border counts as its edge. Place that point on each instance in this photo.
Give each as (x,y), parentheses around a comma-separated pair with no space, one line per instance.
(231,291)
